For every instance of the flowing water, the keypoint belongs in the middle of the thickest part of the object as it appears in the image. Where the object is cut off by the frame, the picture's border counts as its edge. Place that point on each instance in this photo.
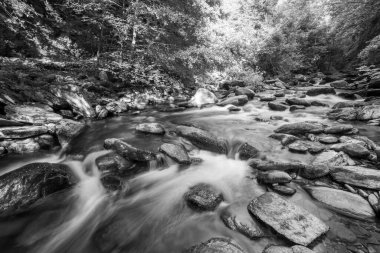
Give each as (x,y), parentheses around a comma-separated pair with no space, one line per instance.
(151,215)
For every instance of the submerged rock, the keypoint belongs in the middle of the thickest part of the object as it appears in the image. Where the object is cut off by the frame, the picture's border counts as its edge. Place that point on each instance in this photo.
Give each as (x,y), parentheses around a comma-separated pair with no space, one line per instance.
(342,201)
(358,176)
(202,139)
(128,151)
(203,97)
(150,128)
(203,197)
(236,100)
(177,152)
(24,186)
(247,151)
(216,245)
(67,130)
(289,220)
(300,128)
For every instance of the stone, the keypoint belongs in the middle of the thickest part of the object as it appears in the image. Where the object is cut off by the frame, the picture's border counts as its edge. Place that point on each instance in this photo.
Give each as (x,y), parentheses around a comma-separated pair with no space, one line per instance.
(341,201)
(315,171)
(328,139)
(113,163)
(333,158)
(320,91)
(352,149)
(202,97)
(245,91)
(31,114)
(177,152)
(283,249)
(339,129)
(341,84)
(150,128)
(20,146)
(267,98)
(236,218)
(298,101)
(216,245)
(77,100)
(22,132)
(10,123)
(296,107)
(279,94)
(46,141)
(357,176)
(289,220)
(67,130)
(22,187)
(233,108)
(203,197)
(270,166)
(274,177)
(116,107)
(233,83)
(128,151)
(277,106)
(202,139)
(247,151)
(284,190)
(300,128)
(285,139)
(298,147)
(318,103)
(236,100)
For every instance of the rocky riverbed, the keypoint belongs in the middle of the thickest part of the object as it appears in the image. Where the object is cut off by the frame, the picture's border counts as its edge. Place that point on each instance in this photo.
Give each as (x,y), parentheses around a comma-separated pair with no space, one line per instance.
(285,167)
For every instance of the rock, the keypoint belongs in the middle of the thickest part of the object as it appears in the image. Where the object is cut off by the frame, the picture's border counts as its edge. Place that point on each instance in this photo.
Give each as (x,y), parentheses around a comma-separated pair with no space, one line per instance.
(318,103)
(298,101)
(103,113)
(341,84)
(46,141)
(22,187)
(177,152)
(236,218)
(285,139)
(296,107)
(77,101)
(229,84)
(300,128)
(202,97)
(273,177)
(284,190)
(10,123)
(333,158)
(128,151)
(364,113)
(352,149)
(279,94)
(21,146)
(247,151)
(216,245)
(289,220)
(202,139)
(116,107)
(203,197)
(236,100)
(2,151)
(298,147)
(245,91)
(270,166)
(373,200)
(267,98)
(113,163)
(22,132)
(283,249)
(339,129)
(368,112)
(314,171)
(320,90)
(67,130)
(342,201)
(328,139)
(151,128)
(277,106)
(31,114)
(357,176)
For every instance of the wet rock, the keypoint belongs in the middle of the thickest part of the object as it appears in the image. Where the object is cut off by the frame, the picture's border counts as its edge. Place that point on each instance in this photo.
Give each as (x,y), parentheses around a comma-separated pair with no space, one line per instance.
(284,190)
(177,152)
(128,151)
(202,139)
(24,186)
(103,113)
(31,114)
(341,84)
(298,147)
(373,200)
(273,177)
(113,163)
(202,97)
(279,94)
(300,128)
(203,197)
(77,100)
(238,219)
(298,101)
(333,158)
(296,107)
(277,106)
(233,108)
(267,98)
(328,139)
(358,176)
(236,100)
(320,91)
(245,91)
(20,146)
(67,130)
(283,249)
(151,128)
(46,141)
(116,107)
(247,151)
(339,129)
(233,83)
(270,166)
(364,113)
(318,103)
(10,123)
(22,132)
(217,245)
(314,171)
(342,201)
(352,149)
(289,220)
(285,139)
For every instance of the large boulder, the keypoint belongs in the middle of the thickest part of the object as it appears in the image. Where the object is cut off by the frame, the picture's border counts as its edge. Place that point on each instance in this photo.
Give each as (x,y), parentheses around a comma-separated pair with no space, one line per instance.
(236,100)
(128,151)
(289,220)
(333,158)
(203,197)
(358,176)
(352,149)
(22,132)
(77,100)
(24,186)
(364,113)
(245,91)
(247,151)
(67,130)
(320,91)
(31,114)
(177,152)
(298,101)
(202,97)
(216,245)
(150,128)
(300,128)
(202,139)
(342,201)
(339,129)
(315,171)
